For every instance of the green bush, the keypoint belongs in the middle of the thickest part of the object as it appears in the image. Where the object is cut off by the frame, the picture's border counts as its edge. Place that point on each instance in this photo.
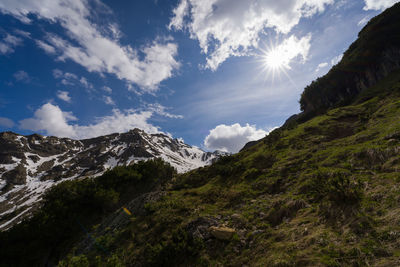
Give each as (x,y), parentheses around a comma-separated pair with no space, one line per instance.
(339,188)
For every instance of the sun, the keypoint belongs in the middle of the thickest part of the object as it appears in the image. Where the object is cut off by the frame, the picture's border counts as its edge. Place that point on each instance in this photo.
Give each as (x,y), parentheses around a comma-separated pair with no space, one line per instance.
(274,59)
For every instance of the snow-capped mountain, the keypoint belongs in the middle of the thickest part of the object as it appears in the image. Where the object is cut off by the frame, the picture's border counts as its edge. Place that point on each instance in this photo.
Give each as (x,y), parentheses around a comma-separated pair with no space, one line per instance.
(31,164)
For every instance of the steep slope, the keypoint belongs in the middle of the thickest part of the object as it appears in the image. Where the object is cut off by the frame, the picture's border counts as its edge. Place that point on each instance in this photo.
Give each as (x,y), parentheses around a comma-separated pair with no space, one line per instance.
(29,165)
(324,193)
(374,55)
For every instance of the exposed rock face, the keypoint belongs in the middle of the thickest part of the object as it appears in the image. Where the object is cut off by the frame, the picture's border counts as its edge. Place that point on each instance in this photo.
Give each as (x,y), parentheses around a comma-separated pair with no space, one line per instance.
(367,61)
(29,165)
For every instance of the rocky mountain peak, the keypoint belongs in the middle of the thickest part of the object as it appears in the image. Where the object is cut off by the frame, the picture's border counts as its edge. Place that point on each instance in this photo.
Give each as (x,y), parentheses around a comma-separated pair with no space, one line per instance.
(29,165)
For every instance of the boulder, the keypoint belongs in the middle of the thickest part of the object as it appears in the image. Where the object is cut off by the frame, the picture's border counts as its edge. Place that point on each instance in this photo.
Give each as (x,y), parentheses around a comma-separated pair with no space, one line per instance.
(222,233)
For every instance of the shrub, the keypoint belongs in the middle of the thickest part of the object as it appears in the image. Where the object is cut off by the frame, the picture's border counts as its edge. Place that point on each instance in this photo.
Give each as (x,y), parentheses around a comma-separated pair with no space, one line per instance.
(339,188)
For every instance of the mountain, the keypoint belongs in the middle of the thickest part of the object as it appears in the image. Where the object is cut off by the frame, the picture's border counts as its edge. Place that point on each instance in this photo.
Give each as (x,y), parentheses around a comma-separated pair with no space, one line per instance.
(29,165)
(323,190)
(371,58)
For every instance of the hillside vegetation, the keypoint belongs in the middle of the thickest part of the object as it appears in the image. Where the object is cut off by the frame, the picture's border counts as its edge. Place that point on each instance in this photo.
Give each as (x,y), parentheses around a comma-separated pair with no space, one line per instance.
(324,192)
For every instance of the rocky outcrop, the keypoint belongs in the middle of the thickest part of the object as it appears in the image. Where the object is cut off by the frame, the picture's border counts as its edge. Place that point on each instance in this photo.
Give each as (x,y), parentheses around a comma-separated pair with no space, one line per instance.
(367,61)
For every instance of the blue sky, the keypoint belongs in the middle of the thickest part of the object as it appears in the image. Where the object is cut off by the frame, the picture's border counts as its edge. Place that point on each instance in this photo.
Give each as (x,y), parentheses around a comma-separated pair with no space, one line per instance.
(217,73)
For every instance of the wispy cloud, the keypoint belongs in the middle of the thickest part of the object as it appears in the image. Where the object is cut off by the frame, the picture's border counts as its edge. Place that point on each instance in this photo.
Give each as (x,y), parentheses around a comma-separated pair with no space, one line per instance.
(6,122)
(107,89)
(46,47)
(96,48)
(336,59)
(108,100)
(64,95)
(321,66)
(22,76)
(161,110)
(67,78)
(9,43)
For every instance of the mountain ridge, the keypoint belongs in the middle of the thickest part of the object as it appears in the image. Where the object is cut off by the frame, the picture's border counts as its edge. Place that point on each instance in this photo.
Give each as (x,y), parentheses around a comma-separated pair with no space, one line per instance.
(29,165)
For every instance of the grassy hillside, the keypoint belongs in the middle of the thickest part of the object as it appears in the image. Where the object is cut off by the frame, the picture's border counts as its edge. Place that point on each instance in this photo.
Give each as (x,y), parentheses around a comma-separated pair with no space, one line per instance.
(323,193)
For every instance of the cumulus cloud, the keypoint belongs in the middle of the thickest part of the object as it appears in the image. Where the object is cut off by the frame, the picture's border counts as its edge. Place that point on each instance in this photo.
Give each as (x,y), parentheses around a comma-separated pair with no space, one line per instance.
(64,95)
(232,28)
(22,76)
(379,4)
(232,138)
(97,48)
(321,66)
(6,122)
(51,120)
(9,43)
(288,50)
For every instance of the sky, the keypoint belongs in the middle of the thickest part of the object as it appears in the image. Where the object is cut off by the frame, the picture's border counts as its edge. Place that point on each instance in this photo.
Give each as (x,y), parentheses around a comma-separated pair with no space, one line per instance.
(216,73)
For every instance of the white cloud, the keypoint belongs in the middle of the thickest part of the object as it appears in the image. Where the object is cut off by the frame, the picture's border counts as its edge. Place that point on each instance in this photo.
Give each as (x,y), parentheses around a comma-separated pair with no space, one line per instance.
(232,138)
(107,89)
(108,100)
(288,50)
(51,120)
(180,12)
(5,122)
(321,66)
(232,28)
(9,43)
(68,78)
(23,33)
(161,110)
(364,21)
(97,48)
(336,59)
(46,47)
(379,4)
(22,76)
(85,83)
(57,73)
(64,95)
